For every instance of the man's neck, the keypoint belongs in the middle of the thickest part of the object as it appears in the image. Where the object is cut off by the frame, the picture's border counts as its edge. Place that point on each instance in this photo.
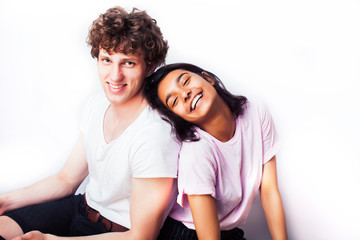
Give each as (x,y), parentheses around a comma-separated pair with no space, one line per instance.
(119,117)
(128,110)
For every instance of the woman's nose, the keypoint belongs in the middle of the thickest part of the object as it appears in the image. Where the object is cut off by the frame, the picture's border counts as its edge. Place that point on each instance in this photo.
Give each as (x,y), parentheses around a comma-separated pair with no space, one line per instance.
(186,93)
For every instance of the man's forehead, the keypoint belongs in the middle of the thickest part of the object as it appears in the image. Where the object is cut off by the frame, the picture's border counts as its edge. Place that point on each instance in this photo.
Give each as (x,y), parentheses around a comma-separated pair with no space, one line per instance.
(137,53)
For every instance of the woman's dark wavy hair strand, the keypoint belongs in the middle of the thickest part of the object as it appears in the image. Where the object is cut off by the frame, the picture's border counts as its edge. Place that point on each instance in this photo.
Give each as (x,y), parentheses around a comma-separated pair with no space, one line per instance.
(185,131)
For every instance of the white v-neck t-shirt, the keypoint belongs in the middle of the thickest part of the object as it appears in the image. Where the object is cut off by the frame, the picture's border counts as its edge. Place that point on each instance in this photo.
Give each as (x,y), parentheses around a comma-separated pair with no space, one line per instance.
(146,149)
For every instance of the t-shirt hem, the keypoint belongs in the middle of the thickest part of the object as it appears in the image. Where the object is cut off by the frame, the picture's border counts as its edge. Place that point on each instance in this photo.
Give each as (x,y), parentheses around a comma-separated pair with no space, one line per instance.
(156,176)
(270,154)
(193,191)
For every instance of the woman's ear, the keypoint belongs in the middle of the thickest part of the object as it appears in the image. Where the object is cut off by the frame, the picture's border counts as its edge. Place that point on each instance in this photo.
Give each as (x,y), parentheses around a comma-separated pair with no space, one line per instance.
(208,78)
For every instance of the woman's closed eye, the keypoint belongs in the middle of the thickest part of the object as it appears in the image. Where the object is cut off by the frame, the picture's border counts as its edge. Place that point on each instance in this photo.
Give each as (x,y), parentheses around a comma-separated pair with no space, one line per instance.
(187,80)
(174,102)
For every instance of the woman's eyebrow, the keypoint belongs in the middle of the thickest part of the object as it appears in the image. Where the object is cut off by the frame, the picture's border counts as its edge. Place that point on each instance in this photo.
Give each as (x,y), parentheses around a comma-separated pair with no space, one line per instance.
(177,80)
(166,100)
(179,77)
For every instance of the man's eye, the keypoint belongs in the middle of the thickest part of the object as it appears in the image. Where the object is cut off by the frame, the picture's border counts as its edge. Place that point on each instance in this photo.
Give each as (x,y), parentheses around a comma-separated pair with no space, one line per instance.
(105,60)
(129,64)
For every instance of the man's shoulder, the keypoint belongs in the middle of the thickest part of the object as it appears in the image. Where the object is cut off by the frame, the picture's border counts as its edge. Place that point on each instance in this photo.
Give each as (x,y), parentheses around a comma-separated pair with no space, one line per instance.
(95,102)
(150,126)
(152,120)
(92,112)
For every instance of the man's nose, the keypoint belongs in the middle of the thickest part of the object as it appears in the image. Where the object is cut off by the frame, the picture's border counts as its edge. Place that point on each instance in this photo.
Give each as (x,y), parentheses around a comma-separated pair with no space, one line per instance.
(116,73)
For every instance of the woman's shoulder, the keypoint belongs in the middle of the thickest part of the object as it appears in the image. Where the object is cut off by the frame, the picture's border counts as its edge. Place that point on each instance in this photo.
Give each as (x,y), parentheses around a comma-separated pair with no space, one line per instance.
(202,151)
(255,107)
(197,155)
(204,142)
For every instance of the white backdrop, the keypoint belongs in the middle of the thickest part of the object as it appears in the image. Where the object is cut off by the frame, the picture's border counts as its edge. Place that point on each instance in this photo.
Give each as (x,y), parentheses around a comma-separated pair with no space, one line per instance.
(301,57)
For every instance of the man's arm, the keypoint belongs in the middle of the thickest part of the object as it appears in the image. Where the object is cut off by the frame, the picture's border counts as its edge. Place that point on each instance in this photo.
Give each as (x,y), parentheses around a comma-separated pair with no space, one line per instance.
(57,186)
(204,213)
(149,202)
(271,201)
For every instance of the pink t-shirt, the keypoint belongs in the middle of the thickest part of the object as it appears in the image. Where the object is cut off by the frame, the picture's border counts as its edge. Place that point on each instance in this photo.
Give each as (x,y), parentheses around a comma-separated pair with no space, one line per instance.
(230,171)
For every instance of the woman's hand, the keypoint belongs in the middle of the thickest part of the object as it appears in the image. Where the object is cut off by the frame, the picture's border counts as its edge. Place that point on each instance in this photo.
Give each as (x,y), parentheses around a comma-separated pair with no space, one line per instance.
(34,235)
(2,205)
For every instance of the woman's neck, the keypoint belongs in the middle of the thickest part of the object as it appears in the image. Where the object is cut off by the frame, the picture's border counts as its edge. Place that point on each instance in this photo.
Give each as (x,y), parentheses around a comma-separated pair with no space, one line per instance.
(221,124)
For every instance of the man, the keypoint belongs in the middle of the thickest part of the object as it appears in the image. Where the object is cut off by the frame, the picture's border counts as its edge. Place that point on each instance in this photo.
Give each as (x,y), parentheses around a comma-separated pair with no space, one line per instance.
(124,146)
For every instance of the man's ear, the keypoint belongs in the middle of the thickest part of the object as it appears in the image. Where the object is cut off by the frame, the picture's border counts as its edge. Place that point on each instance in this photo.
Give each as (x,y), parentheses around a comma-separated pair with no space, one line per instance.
(150,69)
(208,78)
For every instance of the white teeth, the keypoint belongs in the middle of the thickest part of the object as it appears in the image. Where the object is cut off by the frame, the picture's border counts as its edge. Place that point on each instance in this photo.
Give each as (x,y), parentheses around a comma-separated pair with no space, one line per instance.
(195,101)
(116,87)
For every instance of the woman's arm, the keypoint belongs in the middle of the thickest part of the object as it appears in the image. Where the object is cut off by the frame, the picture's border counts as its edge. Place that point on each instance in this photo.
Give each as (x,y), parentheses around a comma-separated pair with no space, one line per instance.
(271,201)
(204,213)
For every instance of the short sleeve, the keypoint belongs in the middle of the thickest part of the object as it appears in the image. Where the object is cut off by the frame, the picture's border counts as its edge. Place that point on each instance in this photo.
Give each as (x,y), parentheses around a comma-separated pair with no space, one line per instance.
(154,154)
(270,140)
(197,171)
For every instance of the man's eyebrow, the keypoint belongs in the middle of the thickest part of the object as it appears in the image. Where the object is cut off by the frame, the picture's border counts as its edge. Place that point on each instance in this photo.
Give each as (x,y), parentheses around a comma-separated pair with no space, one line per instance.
(129,59)
(177,80)
(101,54)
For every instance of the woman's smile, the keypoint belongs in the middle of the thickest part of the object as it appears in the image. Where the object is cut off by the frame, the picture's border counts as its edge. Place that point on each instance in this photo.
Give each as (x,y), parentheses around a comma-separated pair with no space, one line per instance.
(195,101)
(188,95)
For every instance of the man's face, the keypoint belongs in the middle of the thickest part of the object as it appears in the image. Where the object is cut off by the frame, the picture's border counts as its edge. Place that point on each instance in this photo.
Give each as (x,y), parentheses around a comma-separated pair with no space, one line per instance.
(121,76)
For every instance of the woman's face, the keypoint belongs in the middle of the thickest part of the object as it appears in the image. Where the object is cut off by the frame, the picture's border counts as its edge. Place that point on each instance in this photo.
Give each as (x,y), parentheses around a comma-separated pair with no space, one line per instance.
(188,95)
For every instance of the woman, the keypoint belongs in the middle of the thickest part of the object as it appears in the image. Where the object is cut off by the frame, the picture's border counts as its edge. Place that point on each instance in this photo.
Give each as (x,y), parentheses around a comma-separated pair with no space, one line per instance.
(228,154)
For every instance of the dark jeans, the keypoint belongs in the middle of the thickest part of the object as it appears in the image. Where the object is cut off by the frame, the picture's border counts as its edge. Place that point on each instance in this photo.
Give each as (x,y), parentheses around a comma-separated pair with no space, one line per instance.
(64,217)
(175,230)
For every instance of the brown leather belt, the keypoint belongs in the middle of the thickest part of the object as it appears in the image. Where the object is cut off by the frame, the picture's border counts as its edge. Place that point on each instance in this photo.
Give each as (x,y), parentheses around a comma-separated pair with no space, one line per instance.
(94,216)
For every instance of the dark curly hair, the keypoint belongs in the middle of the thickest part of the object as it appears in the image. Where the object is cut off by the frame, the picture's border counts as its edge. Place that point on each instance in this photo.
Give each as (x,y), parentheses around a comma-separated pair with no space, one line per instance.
(185,131)
(120,31)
